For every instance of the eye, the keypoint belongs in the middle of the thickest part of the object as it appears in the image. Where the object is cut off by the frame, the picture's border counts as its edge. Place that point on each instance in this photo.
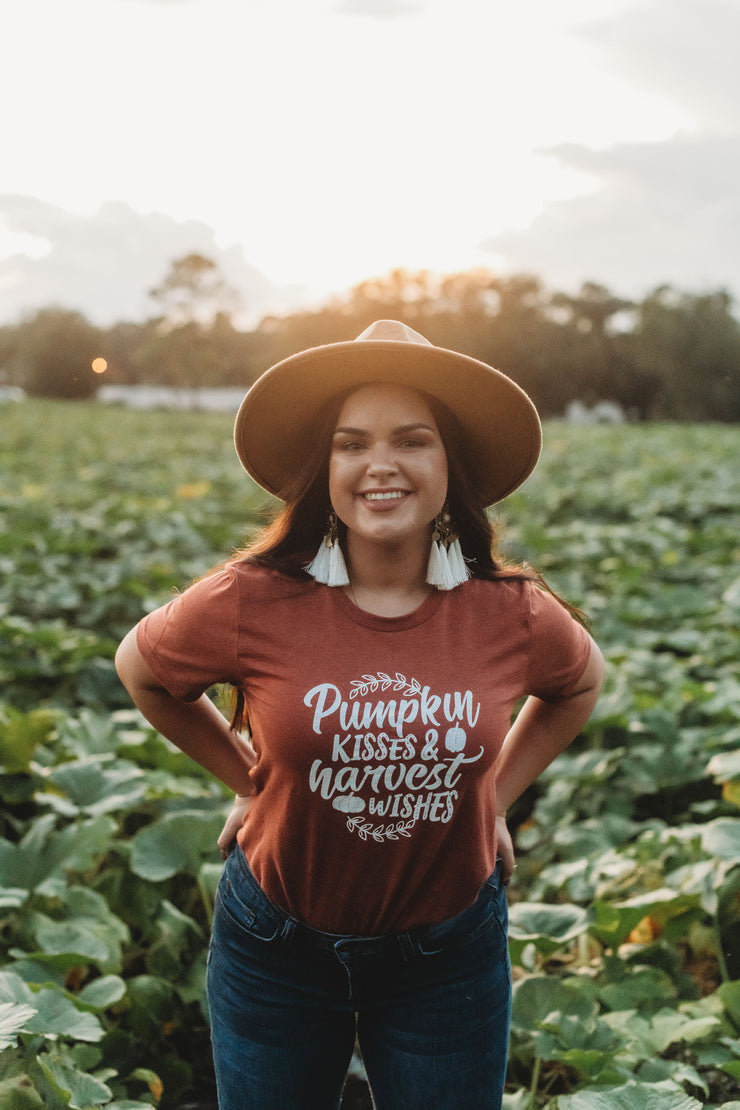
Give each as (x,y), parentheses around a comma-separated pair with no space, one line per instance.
(348,446)
(414,442)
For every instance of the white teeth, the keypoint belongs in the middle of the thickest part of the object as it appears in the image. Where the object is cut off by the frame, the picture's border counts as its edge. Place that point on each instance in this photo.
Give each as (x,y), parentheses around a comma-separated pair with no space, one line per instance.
(394,495)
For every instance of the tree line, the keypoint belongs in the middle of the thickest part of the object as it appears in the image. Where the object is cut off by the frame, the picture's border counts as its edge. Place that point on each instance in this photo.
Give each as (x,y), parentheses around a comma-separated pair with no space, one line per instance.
(671,356)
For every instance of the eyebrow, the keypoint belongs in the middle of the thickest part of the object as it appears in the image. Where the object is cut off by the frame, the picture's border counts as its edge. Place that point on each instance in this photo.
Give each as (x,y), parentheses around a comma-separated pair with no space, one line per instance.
(402,430)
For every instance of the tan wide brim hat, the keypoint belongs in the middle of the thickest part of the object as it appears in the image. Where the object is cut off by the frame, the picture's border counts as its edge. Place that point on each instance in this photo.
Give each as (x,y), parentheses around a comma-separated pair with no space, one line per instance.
(275,425)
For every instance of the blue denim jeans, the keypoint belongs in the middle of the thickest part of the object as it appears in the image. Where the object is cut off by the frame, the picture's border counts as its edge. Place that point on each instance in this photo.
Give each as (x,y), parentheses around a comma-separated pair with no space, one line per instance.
(430,1007)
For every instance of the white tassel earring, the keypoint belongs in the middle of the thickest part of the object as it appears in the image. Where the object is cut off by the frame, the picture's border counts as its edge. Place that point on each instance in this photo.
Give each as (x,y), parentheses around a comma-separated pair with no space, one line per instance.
(328,565)
(447,567)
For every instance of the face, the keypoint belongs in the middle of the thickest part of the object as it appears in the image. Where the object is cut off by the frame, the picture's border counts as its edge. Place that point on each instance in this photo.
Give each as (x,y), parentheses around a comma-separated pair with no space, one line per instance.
(388,466)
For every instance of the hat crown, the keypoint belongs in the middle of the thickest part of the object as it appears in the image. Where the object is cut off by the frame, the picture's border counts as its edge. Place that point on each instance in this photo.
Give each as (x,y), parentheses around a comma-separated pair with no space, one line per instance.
(384,331)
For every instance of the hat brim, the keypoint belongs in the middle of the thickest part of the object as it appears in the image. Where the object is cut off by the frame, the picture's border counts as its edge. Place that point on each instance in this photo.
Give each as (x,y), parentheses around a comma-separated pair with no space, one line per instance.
(274,428)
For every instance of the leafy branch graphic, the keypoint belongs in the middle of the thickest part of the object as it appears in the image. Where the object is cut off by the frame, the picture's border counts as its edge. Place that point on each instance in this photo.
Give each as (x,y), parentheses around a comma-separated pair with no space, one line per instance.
(371,683)
(380,833)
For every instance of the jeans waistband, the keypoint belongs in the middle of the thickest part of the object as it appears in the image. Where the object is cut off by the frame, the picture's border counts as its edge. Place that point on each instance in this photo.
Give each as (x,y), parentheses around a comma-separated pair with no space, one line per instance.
(415,941)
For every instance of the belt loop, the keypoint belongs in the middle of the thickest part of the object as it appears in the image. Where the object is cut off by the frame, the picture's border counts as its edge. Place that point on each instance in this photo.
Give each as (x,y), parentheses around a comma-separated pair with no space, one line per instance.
(289,927)
(407,944)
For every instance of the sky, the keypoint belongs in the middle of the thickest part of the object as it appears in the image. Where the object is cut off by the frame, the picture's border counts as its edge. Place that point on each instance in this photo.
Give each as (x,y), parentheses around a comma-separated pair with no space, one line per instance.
(306,145)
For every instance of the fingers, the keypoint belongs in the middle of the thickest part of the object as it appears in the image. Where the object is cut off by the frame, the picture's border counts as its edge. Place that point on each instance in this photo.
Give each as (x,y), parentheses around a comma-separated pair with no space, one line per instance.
(505,849)
(232,825)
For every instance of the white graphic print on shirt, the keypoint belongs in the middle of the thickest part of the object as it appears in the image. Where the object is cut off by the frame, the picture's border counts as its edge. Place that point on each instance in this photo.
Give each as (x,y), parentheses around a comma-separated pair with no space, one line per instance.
(405,775)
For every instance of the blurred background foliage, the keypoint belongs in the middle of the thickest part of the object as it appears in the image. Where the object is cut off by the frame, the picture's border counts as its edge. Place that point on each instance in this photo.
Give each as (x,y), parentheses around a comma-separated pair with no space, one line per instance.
(672,356)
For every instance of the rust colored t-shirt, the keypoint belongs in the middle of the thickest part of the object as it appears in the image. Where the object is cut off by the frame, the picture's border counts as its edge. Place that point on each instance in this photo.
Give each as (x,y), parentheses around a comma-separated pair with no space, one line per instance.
(376,737)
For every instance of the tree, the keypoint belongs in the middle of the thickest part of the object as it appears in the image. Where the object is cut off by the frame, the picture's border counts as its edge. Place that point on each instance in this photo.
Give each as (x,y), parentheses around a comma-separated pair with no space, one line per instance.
(194,292)
(691,344)
(50,354)
(186,345)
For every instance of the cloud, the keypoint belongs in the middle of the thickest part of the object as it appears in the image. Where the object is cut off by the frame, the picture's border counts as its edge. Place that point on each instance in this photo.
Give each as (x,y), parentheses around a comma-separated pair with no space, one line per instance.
(659,212)
(105,264)
(666,211)
(685,50)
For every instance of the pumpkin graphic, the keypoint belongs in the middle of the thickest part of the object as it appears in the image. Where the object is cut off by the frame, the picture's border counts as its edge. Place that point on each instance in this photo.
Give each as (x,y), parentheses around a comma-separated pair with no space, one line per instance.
(455,738)
(349,803)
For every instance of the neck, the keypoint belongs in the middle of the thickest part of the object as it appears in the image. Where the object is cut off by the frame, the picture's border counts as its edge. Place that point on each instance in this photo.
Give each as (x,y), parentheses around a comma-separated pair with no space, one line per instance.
(387,581)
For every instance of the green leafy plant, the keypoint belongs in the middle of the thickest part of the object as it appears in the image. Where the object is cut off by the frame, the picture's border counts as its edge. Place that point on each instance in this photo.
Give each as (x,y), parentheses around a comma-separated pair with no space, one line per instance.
(625,908)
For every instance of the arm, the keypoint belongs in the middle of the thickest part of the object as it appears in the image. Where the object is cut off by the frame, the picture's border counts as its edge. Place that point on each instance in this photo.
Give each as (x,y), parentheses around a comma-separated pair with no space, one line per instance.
(540,733)
(197,728)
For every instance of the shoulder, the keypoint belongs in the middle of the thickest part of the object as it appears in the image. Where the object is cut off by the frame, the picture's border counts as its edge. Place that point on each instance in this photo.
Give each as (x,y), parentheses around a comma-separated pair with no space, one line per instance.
(506,593)
(257,583)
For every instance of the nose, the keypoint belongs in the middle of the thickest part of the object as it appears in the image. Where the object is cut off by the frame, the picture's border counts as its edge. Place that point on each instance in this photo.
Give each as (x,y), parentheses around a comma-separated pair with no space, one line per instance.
(382,460)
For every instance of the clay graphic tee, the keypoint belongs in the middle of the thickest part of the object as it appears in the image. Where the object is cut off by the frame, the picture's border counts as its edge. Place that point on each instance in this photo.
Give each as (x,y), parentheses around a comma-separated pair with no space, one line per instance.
(376,737)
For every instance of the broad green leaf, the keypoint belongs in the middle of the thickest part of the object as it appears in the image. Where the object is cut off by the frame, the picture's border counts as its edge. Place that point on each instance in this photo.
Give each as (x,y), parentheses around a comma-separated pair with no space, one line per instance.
(547,927)
(519,1100)
(13,1018)
(44,852)
(613,922)
(586,838)
(21,734)
(651,1036)
(179,939)
(722,838)
(13,989)
(153,1004)
(152,1080)
(89,930)
(103,992)
(644,989)
(731,596)
(177,842)
(725,766)
(730,996)
(58,937)
(128,1104)
(12,897)
(97,784)
(586,1044)
(58,1017)
(631,1096)
(71,1087)
(55,1015)
(536,998)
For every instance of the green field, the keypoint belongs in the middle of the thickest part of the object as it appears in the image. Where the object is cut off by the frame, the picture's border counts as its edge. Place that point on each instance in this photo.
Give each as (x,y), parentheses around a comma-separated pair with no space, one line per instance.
(625,915)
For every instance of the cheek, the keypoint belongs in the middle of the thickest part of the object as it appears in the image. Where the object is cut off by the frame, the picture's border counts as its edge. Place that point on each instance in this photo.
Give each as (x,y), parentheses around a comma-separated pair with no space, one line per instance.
(441,482)
(339,479)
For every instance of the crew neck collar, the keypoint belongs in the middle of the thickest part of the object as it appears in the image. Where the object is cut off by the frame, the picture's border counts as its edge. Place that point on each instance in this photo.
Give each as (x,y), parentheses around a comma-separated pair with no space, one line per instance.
(427,609)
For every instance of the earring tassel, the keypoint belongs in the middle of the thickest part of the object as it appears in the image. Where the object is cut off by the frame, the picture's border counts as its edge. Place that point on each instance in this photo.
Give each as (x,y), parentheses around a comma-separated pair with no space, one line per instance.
(435,568)
(447,567)
(458,566)
(328,565)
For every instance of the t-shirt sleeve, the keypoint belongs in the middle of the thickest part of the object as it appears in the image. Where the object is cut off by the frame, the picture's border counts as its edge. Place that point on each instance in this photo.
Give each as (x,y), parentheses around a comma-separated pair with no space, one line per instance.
(559,647)
(191,642)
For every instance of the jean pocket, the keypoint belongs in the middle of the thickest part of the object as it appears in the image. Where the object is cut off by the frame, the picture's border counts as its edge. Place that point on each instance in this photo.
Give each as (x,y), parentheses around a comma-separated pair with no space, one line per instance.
(489,911)
(247,912)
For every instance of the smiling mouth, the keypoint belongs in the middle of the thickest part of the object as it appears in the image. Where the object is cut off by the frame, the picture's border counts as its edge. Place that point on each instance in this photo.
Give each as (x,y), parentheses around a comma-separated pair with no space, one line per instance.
(390,495)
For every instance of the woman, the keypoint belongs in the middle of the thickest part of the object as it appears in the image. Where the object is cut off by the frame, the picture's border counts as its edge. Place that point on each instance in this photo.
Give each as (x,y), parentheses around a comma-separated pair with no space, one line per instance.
(378,651)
